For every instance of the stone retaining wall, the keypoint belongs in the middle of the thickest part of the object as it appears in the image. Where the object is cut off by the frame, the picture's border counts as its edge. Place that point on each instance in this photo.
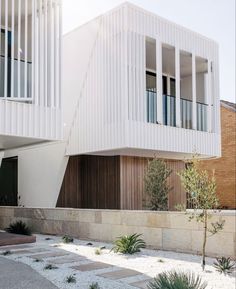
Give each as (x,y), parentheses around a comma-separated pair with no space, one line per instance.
(161,230)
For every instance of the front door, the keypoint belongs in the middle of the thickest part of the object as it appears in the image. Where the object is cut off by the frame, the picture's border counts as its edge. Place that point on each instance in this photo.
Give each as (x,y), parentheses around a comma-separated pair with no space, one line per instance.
(8,182)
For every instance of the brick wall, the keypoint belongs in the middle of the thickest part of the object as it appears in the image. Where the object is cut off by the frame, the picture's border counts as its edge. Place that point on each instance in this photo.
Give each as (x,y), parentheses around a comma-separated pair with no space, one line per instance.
(225,166)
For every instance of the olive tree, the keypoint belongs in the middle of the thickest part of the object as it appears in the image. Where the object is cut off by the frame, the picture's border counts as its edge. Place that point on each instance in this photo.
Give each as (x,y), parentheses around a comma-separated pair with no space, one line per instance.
(155,184)
(201,190)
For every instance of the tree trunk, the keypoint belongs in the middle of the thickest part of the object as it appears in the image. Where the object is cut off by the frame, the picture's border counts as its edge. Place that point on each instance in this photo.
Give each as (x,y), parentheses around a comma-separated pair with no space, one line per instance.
(204,241)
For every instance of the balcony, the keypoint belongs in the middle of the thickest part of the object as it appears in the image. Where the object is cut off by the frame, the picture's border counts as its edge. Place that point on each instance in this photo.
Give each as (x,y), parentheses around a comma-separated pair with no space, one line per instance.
(30,72)
(18,83)
(169,111)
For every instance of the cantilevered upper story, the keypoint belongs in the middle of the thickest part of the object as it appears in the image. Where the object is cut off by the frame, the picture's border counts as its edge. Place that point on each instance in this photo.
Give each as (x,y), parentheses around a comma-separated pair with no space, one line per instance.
(30,72)
(140,85)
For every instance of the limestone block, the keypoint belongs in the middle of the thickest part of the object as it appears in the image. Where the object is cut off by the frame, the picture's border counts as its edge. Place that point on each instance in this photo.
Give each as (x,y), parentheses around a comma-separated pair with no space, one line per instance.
(176,239)
(100,232)
(111,217)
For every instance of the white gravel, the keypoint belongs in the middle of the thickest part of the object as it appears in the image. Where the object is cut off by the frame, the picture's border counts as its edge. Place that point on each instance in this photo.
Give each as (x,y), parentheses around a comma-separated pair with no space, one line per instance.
(146,262)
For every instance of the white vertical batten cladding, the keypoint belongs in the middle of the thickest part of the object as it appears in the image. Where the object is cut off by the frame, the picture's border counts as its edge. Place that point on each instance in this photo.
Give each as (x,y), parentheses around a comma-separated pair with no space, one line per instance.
(30,104)
(110,88)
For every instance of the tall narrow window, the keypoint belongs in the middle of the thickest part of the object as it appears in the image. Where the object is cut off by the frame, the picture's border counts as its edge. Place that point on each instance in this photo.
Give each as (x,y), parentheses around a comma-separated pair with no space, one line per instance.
(151,89)
(201,92)
(168,85)
(186,97)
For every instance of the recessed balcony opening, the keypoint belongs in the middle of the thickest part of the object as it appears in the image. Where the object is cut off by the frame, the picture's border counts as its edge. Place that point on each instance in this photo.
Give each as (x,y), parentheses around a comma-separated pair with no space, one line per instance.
(201,92)
(151,85)
(30,51)
(186,96)
(168,85)
(15,59)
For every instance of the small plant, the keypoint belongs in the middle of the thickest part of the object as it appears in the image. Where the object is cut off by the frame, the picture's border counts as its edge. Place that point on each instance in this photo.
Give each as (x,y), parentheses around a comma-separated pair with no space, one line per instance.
(176,280)
(129,244)
(94,286)
(67,239)
(98,251)
(5,253)
(161,261)
(18,227)
(50,267)
(70,279)
(224,265)
(38,260)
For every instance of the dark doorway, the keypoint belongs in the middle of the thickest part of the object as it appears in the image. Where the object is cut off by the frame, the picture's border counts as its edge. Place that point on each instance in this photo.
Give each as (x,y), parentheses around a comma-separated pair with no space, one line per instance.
(8,182)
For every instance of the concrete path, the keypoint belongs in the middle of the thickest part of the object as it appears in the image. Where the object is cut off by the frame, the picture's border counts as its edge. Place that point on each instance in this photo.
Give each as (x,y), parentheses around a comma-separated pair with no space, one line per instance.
(14,275)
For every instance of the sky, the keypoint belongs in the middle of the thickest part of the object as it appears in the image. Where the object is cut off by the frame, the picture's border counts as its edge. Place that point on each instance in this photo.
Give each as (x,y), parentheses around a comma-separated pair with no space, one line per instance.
(212,18)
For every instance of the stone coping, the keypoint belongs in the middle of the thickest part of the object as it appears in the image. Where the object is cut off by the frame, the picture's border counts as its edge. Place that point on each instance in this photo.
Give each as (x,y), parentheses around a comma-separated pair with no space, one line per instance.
(220,212)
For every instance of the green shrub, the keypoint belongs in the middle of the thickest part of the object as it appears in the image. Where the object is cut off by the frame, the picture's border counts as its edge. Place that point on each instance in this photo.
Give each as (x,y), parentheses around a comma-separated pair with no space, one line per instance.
(129,244)
(70,279)
(5,253)
(67,239)
(177,280)
(94,286)
(224,265)
(98,251)
(38,260)
(18,227)
(50,267)
(156,185)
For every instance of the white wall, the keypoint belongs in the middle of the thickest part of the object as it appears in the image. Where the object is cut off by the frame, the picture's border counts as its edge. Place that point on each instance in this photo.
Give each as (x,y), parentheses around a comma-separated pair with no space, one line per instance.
(40,173)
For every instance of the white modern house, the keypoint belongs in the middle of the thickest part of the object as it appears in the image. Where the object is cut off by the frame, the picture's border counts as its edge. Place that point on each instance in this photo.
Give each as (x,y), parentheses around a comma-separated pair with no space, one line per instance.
(134,85)
(30,74)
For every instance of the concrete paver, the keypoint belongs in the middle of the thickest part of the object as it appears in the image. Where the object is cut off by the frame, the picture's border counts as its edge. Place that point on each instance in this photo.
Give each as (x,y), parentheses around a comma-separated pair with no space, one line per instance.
(120,274)
(92,266)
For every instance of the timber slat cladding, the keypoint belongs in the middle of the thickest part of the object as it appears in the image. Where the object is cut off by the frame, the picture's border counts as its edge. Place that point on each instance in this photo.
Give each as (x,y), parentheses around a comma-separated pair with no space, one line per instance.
(91,182)
(113,182)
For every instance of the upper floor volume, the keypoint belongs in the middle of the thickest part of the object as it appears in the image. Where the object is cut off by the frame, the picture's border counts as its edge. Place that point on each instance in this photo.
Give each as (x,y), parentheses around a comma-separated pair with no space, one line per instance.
(30,72)
(144,85)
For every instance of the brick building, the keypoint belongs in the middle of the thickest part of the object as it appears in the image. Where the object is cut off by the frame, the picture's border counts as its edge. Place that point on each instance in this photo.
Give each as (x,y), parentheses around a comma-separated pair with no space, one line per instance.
(225,167)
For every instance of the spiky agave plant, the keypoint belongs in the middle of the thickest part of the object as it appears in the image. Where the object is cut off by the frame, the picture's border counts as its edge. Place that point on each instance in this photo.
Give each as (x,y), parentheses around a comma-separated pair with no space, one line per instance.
(129,244)
(177,280)
(18,227)
(224,265)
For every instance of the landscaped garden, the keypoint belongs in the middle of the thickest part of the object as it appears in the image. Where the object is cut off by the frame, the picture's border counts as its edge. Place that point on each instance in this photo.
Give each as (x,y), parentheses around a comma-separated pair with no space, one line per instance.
(73,263)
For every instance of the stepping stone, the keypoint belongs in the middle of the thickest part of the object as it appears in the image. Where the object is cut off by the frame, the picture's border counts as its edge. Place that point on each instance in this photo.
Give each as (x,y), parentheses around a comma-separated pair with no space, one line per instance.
(48,255)
(92,266)
(30,251)
(141,284)
(120,274)
(15,247)
(66,259)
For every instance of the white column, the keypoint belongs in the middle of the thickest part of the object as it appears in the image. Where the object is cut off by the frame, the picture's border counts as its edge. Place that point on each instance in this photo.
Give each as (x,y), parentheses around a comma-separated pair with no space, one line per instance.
(19,51)
(194,104)
(208,96)
(159,80)
(177,86)
(6,50)
(26,51)
(12,46)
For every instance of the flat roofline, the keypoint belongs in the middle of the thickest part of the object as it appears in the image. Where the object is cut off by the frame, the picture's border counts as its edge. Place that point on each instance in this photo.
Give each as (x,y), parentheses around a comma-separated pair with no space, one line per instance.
(133,6)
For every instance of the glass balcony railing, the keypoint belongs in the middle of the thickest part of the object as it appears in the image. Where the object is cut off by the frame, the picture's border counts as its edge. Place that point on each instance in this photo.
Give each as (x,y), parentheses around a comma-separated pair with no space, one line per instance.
(169,111)
(151,106)
(186,113)
(18,92)
(202,116)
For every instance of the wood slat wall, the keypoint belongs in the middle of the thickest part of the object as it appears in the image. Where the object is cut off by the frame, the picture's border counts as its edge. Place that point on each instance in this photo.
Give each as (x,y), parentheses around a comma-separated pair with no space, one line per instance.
(132,183)
(91,182)
(112,182)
